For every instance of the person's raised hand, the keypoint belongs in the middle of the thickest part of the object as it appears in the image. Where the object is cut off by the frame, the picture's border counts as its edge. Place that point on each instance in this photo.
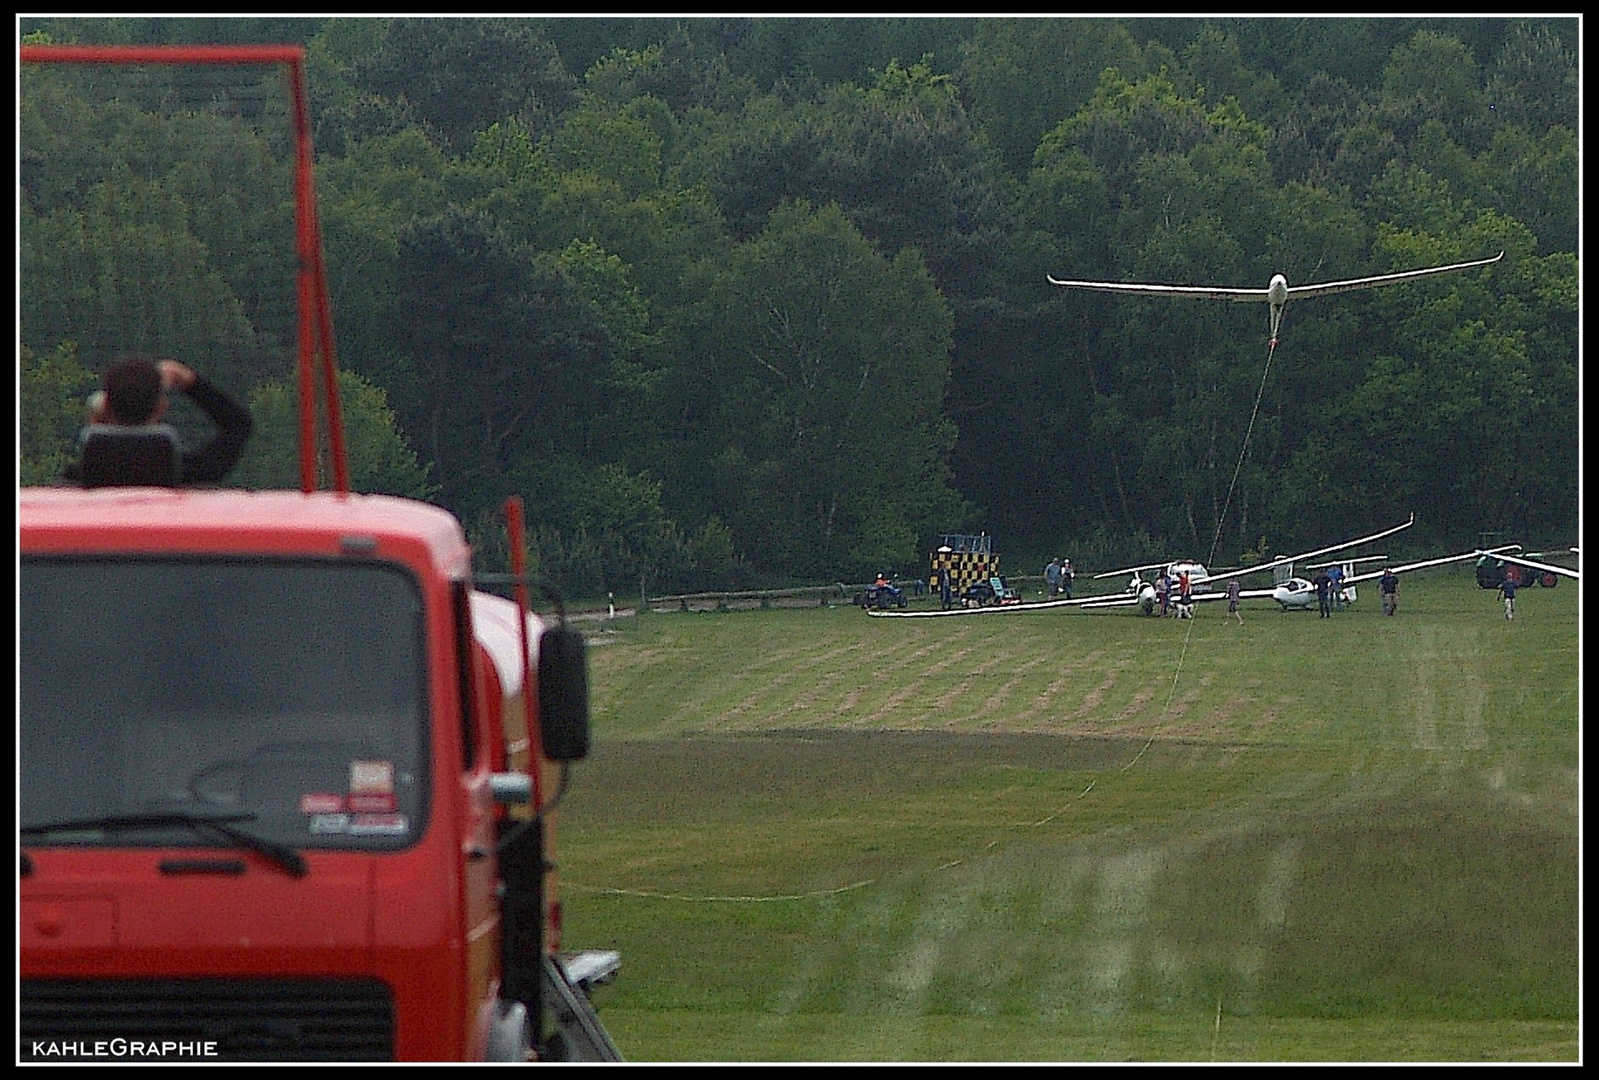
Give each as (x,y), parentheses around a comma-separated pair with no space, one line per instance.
(175,376)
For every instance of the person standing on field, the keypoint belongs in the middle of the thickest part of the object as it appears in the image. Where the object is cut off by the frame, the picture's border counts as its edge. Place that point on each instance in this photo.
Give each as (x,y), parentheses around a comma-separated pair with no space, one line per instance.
(1389,584)
(1233,590)
(1323,585)
(1507,589)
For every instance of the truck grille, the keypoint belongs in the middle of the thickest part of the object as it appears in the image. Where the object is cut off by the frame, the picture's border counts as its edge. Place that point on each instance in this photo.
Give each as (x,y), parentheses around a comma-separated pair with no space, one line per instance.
(247,1019)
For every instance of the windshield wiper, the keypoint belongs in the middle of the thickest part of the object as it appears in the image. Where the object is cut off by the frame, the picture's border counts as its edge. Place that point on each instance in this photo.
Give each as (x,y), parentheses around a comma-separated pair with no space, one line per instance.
(222,824)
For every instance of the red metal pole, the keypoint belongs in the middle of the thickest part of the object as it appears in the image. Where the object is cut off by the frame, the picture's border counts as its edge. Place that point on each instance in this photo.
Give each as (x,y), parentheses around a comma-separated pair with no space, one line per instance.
(307,344)
(535,738)
(317,311)
(164,54)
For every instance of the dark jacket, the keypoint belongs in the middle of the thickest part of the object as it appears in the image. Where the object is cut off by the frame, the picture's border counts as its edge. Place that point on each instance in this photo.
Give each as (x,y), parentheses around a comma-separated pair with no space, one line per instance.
(211,462)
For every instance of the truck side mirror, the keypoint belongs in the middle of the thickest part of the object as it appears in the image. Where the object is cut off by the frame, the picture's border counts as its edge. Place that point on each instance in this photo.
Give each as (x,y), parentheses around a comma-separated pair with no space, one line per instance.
(563,694)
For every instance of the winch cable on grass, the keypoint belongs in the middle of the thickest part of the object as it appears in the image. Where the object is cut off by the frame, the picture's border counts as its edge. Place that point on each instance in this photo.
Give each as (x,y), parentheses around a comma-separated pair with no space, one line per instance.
(648,895)
(1215,542)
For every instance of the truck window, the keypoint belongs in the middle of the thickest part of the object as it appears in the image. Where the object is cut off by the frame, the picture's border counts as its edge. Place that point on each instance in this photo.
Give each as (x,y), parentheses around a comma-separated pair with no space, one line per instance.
(288,695)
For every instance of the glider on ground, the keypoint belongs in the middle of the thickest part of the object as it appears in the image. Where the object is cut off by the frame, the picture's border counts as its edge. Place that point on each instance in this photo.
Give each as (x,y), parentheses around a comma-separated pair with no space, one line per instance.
(1202,584)
(1297,594)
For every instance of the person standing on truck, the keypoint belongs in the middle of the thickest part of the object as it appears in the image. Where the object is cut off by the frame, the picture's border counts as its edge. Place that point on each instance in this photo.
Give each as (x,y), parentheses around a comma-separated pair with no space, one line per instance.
(126,442)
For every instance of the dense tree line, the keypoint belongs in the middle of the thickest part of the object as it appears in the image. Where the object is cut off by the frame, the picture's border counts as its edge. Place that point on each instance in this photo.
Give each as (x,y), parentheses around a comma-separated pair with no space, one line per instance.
(738,300)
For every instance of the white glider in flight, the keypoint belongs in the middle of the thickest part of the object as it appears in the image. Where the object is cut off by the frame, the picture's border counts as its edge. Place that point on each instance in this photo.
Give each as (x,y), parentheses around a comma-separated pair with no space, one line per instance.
(1277,294)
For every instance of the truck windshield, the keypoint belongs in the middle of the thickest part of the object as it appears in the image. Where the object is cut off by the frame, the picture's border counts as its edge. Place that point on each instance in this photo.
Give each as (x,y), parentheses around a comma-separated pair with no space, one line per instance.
(286,695)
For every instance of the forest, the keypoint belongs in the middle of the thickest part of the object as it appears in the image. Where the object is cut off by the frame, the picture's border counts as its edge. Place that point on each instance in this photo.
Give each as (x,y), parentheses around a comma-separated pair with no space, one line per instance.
(744,302)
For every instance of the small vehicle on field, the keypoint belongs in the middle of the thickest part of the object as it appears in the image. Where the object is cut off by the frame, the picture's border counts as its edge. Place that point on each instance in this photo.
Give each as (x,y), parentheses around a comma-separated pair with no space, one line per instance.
(880,594)
(1491,572)
(993,591)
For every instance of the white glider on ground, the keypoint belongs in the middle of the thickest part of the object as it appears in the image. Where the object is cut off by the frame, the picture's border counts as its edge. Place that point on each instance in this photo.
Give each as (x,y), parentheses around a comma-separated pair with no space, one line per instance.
(1297,594)
(1202,583)
(1277,294)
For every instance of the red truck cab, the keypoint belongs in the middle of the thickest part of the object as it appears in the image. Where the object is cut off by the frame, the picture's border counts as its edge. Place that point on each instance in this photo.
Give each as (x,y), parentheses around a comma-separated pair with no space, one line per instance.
(266,742)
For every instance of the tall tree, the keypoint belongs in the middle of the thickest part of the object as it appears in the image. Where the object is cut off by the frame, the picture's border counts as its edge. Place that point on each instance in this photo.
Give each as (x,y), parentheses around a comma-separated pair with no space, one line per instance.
(508,359)
(831,363)
(901,160)
(1021,77)
(381,461)
(50,410)
(461,75)
(116,277)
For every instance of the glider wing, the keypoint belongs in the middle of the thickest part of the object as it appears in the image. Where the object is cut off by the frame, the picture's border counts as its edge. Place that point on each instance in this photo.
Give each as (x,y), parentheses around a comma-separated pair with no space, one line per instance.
(1199,291)
(1297,291)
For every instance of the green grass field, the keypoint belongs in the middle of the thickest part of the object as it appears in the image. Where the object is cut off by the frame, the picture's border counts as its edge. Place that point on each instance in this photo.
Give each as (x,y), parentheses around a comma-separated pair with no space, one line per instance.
(1092,836)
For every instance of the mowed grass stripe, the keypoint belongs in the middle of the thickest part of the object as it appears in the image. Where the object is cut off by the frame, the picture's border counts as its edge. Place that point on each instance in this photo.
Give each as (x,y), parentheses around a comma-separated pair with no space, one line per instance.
(1020,675)
(1337,829)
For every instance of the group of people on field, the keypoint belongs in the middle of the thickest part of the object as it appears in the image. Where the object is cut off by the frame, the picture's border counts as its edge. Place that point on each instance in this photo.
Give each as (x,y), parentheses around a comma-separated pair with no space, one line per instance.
(1058,578)
(1175,594)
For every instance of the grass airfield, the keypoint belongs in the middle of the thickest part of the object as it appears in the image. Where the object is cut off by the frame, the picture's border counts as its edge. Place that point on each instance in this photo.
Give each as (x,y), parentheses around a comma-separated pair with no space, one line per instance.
(1092,836)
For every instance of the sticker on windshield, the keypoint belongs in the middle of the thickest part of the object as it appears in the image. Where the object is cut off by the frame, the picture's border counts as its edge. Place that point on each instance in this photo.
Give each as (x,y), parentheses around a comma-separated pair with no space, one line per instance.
(322,824)
(321,802)
(373,802)
(372,777)
(378,825)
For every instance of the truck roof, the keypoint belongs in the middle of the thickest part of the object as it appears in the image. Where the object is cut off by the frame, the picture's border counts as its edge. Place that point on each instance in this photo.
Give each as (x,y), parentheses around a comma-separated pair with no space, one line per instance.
(222,521)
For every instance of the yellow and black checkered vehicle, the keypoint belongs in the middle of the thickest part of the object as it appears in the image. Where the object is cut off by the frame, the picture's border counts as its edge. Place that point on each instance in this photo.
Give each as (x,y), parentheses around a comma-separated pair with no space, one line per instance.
(969,559)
